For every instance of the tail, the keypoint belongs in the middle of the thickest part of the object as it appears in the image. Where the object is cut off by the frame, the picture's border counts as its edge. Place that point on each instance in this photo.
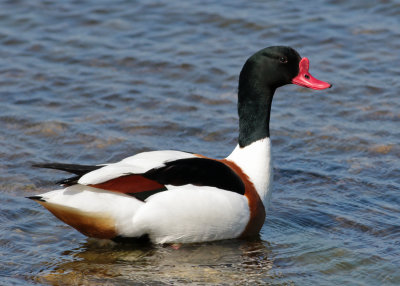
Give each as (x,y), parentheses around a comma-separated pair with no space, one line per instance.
(36,198)
(93,224)
(93,212)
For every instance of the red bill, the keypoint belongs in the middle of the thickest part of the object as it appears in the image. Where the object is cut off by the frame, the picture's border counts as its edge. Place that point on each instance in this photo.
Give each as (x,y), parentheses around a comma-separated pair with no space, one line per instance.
(304,78)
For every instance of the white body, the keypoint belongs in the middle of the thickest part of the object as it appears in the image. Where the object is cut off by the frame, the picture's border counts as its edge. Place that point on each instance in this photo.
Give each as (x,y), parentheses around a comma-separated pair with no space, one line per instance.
(182,213)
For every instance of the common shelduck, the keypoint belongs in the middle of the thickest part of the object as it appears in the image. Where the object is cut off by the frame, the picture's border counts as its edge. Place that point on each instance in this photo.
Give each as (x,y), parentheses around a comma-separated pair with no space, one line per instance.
(178,197)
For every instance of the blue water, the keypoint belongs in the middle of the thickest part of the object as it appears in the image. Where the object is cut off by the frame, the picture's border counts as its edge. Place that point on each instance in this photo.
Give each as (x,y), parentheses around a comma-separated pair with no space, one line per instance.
(96,82)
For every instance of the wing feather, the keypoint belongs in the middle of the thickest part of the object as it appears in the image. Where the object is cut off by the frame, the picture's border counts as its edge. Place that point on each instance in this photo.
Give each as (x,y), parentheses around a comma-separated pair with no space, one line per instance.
(148,173)
(190,171)
(130,184)
(137,164)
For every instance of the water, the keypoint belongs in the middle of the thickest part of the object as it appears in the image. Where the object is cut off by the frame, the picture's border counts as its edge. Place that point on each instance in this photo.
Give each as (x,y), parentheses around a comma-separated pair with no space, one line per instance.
(96,82)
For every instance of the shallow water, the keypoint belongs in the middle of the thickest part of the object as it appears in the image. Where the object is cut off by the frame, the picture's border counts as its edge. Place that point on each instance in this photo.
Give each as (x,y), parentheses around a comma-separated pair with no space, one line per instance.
(92,83)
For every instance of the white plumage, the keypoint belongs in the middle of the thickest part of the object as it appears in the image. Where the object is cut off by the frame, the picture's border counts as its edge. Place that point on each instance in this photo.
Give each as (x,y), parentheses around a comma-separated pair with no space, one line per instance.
(182,213)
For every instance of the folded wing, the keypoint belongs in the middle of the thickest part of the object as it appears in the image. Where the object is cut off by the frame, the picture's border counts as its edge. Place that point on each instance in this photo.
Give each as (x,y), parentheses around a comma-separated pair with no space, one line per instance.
(149,173)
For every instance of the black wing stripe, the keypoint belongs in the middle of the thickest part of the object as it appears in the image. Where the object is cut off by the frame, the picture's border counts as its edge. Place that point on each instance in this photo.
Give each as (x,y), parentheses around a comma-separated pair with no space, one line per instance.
(199,172)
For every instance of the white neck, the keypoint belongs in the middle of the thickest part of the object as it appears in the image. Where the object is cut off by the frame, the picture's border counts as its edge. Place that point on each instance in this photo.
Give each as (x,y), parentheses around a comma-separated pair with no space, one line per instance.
(256,162)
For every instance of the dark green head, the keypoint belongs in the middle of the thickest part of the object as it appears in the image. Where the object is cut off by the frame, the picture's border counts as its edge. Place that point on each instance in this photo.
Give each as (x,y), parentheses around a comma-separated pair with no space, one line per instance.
(261,75)
(271,67)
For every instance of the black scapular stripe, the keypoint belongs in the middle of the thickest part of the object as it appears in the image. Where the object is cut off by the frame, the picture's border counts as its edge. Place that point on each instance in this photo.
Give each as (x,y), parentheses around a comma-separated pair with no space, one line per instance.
(199,172)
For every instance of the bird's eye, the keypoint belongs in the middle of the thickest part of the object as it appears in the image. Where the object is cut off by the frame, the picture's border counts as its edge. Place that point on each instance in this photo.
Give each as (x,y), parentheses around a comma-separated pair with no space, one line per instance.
(283,60)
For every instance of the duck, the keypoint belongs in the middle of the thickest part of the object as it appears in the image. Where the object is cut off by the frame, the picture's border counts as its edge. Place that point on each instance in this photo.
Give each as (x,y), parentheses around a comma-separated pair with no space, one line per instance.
(173,196)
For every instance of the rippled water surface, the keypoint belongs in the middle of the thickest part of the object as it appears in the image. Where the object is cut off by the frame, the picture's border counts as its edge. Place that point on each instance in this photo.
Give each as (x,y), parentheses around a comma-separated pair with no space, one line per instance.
(96,82)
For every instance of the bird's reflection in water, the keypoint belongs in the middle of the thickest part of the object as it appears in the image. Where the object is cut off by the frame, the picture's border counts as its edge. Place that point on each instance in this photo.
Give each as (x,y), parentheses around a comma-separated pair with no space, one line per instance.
(222,262)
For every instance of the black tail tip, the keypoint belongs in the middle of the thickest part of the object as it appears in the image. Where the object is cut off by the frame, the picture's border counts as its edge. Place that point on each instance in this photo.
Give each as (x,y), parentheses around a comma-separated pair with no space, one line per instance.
(36,198)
